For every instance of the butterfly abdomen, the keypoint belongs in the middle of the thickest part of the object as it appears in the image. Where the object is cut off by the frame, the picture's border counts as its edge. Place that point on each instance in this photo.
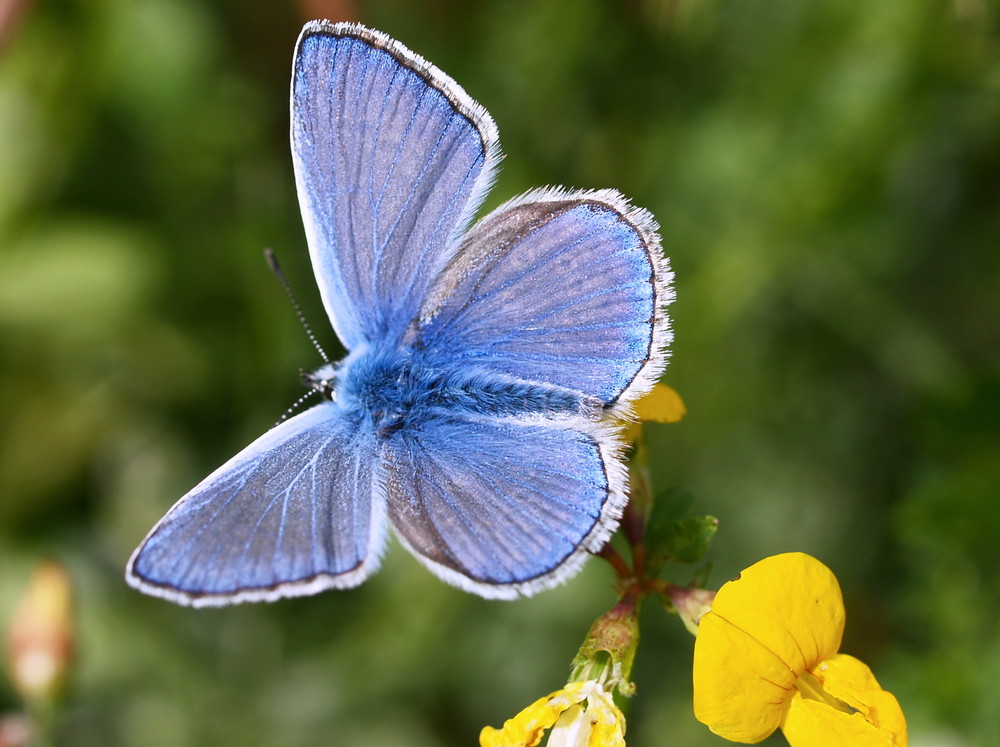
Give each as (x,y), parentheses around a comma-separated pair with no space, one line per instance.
(483,392)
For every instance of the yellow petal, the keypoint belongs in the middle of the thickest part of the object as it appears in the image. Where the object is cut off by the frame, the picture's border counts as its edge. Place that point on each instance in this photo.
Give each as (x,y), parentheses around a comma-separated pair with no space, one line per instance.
(528,727)
(878,719)
(741,689)
(632,432)
(607,735)
(608,722)
(779,618)
(812,722)
(791,604)
(601,724)
(662,405)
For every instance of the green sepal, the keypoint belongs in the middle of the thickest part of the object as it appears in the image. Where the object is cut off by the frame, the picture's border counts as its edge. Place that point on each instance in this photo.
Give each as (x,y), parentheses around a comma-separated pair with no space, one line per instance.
(610,646)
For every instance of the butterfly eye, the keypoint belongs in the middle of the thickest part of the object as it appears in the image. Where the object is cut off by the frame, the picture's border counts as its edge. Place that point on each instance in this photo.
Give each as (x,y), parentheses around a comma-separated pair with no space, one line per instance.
(388,423)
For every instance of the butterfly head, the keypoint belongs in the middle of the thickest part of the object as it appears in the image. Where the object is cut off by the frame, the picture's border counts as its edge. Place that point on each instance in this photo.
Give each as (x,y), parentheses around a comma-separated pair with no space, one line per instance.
(374,385)
(322,380)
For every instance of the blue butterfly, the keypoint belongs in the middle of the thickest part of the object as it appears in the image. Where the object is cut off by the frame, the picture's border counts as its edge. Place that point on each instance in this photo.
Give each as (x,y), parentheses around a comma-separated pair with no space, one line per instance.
(478,410)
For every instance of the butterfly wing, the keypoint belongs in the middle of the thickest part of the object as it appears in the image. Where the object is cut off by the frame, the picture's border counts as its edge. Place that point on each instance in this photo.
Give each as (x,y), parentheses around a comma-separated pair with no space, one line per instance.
(502,507)
(296,512)
(564,288)
(392,159)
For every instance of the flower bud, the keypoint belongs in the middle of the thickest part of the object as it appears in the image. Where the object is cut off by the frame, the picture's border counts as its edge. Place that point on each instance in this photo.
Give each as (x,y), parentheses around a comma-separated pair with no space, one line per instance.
(691,604)
(39,639)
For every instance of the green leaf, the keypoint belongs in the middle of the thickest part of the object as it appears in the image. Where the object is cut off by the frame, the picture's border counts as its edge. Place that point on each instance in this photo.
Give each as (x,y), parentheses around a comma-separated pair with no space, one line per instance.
(674,503)
(691,537)
(672,535)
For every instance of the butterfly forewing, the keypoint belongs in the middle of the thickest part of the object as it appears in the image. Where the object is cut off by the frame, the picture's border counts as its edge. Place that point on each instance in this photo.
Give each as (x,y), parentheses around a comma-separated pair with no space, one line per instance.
(297,511)
(391,159)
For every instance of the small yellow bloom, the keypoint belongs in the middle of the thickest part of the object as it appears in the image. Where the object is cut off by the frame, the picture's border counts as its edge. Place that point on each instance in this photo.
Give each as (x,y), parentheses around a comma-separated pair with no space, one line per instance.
(582,714)
(662,405)
(766,656)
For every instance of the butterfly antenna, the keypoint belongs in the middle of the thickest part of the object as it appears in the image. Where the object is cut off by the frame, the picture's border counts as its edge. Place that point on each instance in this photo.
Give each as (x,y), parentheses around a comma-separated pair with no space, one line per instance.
(295,406)
(272,262)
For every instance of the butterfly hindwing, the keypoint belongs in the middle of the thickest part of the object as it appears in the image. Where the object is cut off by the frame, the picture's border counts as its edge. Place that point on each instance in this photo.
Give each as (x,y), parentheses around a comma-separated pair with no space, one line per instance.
(564,288)
(502,507)
(391,158)
(297,511)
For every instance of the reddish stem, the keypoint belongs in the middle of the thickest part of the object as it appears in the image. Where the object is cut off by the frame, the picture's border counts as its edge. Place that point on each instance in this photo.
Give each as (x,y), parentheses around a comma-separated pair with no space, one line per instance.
(610,554)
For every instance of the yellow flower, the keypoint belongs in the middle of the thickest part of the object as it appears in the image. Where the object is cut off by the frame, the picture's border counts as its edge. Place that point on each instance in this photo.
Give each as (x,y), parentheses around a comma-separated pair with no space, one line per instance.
(582,714)
(766,656)
(662,405)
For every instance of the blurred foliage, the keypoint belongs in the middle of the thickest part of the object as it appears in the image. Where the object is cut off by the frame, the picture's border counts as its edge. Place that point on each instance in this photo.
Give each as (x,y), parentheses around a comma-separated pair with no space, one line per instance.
(826,177)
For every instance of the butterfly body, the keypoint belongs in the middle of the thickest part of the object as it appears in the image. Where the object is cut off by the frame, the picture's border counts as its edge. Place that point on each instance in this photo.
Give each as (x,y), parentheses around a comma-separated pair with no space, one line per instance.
(392,390)
(477,413)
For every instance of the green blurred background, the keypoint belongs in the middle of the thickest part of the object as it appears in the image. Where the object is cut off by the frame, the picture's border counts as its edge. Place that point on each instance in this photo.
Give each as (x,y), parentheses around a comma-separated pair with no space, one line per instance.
(827,177)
